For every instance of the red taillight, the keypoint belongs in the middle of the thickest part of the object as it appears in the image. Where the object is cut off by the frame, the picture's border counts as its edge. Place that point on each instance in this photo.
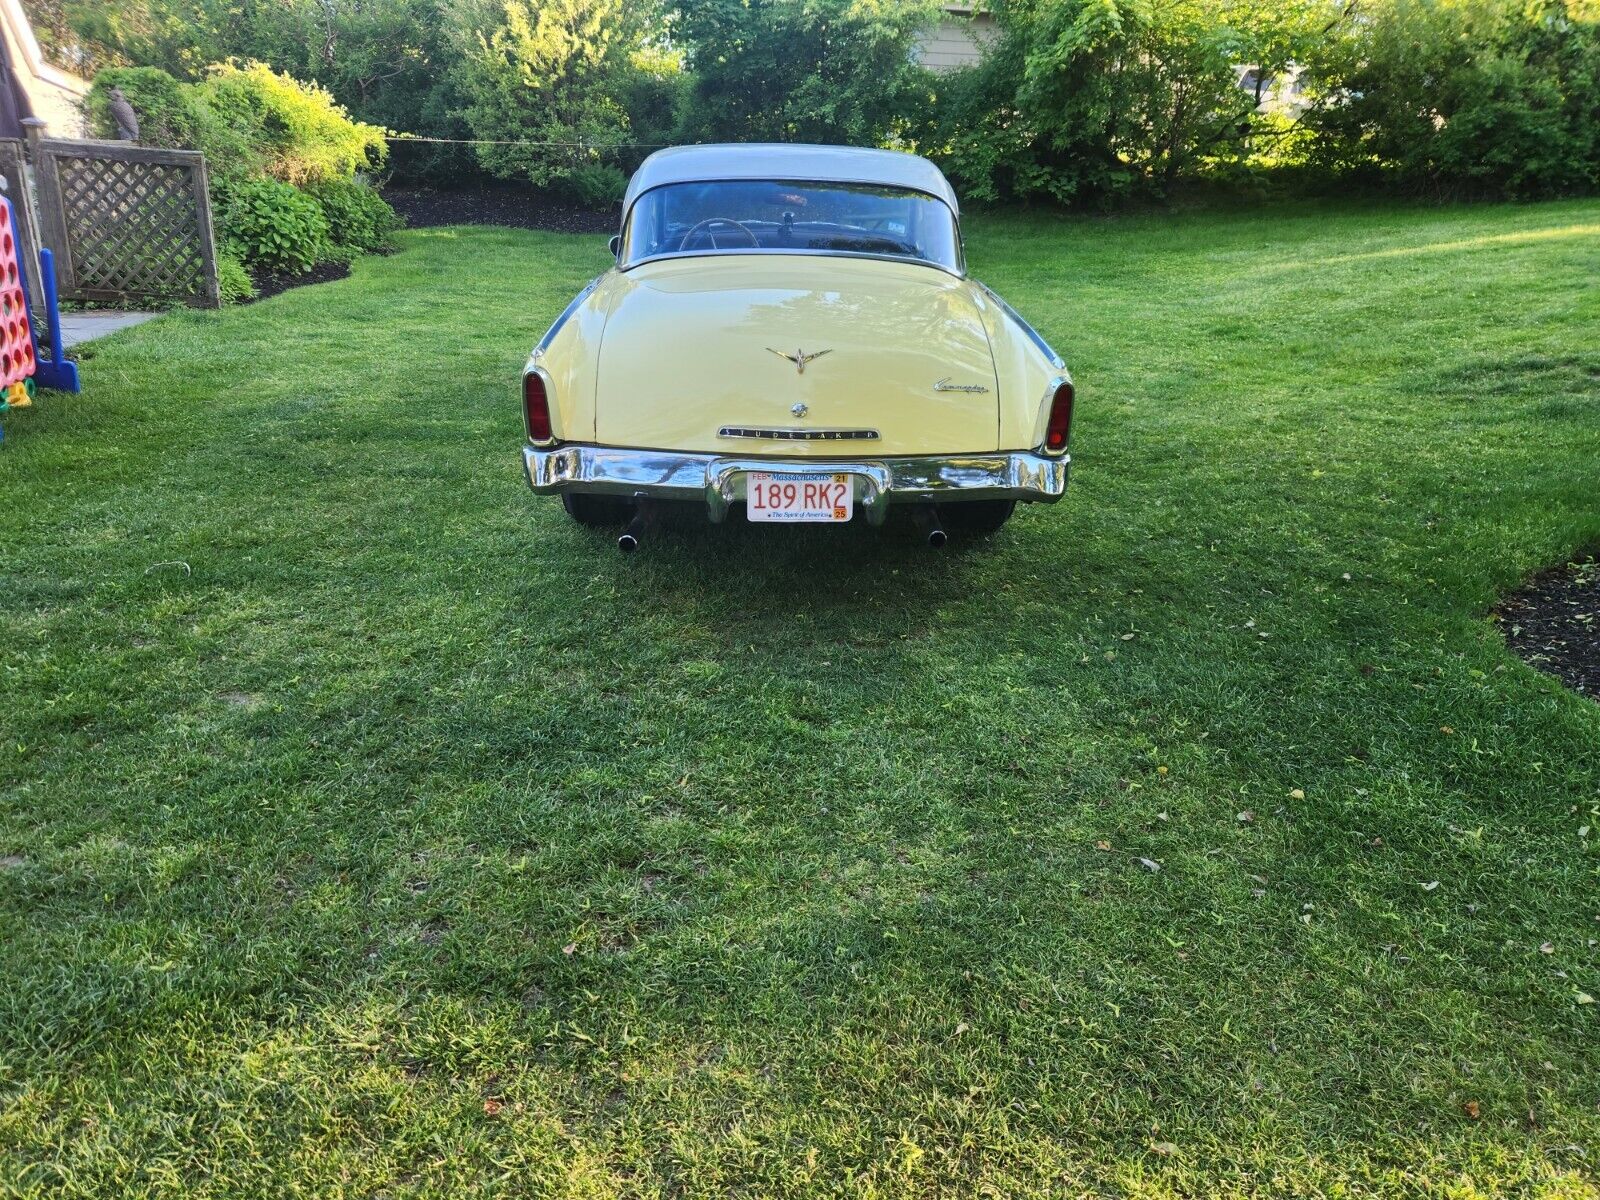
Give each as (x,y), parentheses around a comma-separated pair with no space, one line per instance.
(1059,430)
(536,407)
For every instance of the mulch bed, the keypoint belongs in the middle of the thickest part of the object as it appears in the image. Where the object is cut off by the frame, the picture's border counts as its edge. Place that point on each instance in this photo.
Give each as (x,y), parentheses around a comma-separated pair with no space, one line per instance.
(512,207)
(1554,624)
(268,284)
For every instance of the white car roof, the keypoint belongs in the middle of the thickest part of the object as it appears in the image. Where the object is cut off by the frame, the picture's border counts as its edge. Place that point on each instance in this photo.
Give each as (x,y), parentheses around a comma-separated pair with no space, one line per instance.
(779,160)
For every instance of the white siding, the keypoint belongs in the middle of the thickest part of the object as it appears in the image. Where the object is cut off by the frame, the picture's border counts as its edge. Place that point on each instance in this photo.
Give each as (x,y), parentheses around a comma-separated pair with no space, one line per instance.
(956,41)
(55,95)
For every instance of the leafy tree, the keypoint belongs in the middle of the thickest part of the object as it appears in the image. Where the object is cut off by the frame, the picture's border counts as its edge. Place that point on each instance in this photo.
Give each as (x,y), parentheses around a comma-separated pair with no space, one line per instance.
(1463,96)
(549,74)
(391,62)
(548,85)
(173,35)
(1093,100)
(835,71)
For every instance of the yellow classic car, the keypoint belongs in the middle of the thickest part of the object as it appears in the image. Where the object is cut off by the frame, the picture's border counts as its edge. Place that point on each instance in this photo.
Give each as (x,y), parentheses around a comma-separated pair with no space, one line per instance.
(790,330)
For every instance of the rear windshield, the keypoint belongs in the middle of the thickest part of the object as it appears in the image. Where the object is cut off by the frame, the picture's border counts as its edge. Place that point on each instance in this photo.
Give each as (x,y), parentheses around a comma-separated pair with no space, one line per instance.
(782,217)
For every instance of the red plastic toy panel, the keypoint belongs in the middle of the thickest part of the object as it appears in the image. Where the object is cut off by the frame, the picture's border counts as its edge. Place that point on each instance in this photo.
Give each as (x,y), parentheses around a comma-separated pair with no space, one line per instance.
(16,336)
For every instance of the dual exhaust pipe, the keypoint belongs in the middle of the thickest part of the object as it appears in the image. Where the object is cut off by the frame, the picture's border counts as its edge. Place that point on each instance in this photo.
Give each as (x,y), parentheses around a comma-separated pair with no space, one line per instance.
(644,515)
(925,516)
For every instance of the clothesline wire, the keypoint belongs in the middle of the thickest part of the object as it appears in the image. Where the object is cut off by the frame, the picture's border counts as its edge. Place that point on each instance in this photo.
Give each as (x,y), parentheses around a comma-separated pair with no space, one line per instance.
(411,137)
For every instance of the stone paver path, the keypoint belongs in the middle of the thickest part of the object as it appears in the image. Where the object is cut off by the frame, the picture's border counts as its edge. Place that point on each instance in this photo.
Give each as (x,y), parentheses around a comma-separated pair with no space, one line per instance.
(82,326)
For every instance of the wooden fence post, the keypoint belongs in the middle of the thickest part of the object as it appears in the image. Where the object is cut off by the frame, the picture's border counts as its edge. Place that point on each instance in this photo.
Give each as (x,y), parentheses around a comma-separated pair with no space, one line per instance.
(14,167)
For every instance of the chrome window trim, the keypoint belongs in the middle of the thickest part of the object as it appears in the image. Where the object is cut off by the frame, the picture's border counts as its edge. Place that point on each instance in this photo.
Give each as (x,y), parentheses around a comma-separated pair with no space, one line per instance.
(566,315)
(1056,361)
(959,270)
(815,179)
(749,253)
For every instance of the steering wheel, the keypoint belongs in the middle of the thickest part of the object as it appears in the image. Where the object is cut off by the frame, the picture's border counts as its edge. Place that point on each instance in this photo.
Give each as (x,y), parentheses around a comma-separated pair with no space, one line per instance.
(708,226)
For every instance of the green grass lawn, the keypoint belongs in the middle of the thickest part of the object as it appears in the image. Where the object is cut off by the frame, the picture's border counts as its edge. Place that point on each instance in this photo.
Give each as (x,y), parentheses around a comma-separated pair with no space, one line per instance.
(368,829)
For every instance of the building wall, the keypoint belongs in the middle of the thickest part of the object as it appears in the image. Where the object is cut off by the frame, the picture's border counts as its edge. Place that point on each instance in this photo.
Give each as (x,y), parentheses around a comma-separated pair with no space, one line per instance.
(55,95)
(957,40)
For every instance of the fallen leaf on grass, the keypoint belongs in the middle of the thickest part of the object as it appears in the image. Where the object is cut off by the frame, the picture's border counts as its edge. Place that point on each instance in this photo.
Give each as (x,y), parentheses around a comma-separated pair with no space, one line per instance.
(1165,1149)
(1471,1109)
(1585,998)
(492,1107)
(1546,948)
(1428,887)
(962,1028)
(1102,844)
(1245,817)
(1297,794)
(1148,864)
(570,948)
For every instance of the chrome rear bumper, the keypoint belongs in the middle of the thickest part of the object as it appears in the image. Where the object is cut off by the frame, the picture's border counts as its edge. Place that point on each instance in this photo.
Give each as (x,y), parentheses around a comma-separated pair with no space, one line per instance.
(719,480)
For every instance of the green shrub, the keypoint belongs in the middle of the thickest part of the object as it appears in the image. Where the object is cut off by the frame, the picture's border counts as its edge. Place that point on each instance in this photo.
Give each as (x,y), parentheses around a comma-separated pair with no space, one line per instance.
(1097,101)
(295,132)
(233,280)
(275,226)
(174,115)
(247,120)
(595,185)
(1462,97)
(166,110)
(359,219)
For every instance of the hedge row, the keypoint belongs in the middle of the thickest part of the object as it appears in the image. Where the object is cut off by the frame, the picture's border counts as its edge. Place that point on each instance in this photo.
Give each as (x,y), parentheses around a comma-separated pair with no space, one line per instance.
(289,167)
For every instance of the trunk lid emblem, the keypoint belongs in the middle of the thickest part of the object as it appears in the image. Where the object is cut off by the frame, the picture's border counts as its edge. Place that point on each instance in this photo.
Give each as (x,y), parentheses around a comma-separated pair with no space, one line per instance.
(799,358)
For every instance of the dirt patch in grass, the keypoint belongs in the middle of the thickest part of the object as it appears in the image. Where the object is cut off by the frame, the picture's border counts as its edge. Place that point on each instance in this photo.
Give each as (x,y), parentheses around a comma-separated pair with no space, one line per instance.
(513,207)
(1554,624)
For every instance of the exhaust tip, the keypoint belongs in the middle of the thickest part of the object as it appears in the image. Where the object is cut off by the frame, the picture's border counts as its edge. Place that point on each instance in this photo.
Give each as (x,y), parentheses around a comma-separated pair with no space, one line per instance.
(642,514)
(927,521)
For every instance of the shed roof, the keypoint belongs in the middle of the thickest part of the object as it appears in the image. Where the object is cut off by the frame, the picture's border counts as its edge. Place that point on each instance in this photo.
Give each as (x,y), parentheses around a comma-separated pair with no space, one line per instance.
(779,160)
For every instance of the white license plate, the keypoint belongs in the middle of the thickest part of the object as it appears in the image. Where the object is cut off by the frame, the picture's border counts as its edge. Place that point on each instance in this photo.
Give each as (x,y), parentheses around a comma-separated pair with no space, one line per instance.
(799,497)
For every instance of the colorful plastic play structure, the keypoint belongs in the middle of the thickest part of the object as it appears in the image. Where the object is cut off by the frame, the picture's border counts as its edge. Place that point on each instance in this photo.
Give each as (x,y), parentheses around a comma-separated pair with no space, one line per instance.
(21,368)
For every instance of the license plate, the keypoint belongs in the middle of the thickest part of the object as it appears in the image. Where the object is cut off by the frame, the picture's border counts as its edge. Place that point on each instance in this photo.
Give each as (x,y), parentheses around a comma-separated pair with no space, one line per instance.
(796,498)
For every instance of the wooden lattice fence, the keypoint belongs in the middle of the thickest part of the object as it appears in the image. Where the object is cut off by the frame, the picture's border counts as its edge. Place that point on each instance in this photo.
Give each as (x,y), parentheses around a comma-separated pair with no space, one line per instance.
(129,223)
